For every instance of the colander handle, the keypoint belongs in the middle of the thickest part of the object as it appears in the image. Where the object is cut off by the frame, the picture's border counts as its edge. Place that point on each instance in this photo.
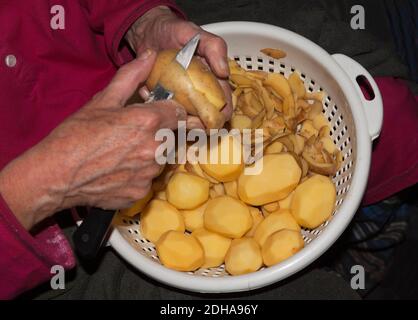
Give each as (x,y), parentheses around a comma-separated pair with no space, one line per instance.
(373,108)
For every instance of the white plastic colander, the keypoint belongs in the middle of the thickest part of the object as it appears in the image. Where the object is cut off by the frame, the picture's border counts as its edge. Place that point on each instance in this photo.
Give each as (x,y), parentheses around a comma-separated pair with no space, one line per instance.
(355,122)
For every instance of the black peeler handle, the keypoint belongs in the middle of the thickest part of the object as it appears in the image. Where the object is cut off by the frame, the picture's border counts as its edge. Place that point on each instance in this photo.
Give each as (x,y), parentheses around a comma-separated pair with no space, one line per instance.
(90,235)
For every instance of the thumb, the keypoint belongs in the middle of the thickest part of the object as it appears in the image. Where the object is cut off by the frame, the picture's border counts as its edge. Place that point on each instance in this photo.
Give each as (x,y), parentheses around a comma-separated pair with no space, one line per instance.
(128,79)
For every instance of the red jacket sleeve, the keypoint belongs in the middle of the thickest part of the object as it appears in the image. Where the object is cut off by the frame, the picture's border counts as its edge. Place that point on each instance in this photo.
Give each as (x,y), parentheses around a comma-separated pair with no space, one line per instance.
(395,154)
(25,259)
(114,17)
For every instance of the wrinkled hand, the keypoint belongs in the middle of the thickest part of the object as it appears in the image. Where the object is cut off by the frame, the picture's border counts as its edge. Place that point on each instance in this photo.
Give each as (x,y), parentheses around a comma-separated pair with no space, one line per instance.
(161,29)
(103,155)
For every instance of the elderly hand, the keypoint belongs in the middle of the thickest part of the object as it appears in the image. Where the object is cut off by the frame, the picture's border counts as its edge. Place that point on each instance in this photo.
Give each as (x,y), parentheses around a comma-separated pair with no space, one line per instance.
(103,155)
(161,29)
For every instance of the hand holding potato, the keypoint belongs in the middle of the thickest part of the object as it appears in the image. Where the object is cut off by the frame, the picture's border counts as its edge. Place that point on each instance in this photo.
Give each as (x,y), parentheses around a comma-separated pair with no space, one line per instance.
(102,155)
(160,29)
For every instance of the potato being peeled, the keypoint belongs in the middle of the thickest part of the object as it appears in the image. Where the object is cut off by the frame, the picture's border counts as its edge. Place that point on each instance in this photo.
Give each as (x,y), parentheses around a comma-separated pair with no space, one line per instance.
(197,88)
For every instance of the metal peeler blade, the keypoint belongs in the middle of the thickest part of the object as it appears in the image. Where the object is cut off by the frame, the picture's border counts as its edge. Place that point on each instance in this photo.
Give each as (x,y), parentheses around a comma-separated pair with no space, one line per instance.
(185,55)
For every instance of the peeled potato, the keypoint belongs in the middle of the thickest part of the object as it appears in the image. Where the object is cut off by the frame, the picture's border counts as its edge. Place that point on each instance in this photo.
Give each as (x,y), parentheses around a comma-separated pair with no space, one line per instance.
(281,219)
(279,176)
(137,206)
(271,207)
(196,88)
(228,217)
(181,168)
(313,201)
(180,251)
(285,203)
(257,218)
(193,219)
(187,191)
(281,245)
(159,217)
(231,189)
(228,164)
(244,256)
(214,246)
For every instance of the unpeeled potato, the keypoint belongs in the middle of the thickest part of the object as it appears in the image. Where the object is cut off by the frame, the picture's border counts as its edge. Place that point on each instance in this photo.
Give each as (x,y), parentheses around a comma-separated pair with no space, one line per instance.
(187,191)
(227,216)
(281,245)
(214,246)
(313,201)
(158,217)
(244,256)
(196,88)
(180,251)
(279,176)
(281,219)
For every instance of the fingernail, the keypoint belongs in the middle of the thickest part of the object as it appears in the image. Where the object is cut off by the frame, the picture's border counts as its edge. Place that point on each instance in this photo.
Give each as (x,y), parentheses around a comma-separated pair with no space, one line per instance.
(144,55)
